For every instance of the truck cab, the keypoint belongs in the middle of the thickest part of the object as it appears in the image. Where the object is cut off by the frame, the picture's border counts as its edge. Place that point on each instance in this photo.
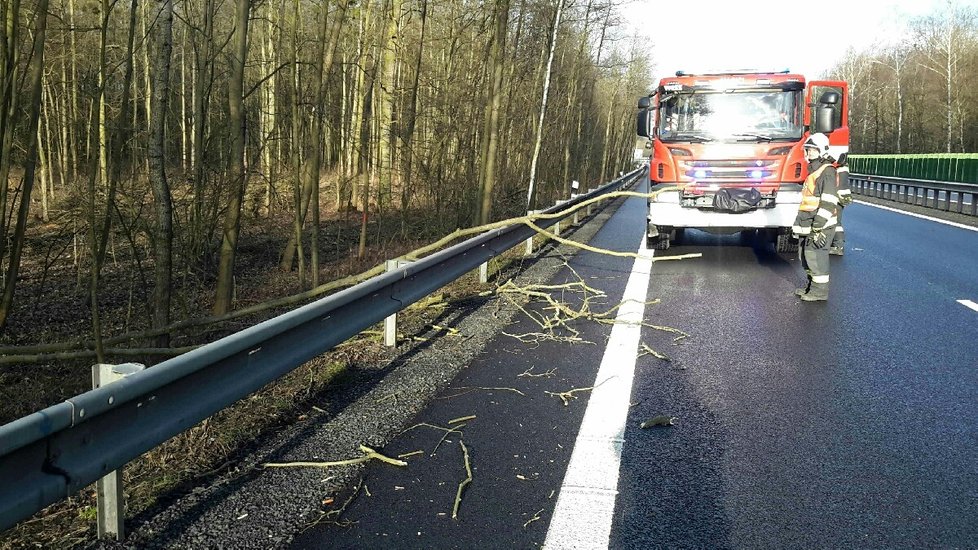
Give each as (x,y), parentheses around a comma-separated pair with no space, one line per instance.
(726,150)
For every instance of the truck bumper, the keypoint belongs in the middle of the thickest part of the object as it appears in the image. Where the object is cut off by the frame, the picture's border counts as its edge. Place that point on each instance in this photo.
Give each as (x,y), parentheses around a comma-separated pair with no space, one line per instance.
(667,212)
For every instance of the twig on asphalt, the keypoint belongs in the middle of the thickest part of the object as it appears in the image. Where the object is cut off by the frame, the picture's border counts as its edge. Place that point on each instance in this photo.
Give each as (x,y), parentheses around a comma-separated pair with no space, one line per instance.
(464,482)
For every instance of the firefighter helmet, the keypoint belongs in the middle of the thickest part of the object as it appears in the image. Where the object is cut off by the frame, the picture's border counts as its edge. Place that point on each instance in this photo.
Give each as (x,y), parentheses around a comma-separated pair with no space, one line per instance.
(819,142)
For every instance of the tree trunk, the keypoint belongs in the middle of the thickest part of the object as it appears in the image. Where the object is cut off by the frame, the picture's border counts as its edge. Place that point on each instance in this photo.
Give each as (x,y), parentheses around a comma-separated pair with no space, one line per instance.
(163,241)
(531,192)
(120,141)
(310,173)
(236,119)
(410,121)
(34,77)
(9,108)
(497,56)
(203,77)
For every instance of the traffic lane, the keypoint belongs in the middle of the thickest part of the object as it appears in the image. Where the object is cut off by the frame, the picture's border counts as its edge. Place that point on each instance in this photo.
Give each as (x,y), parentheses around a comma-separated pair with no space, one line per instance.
(938,254)
(864,437)
(518,443)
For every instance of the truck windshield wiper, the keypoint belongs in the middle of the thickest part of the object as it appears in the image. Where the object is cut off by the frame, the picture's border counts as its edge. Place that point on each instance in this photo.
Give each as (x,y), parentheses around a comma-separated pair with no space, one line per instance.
(695,138)
(759,137)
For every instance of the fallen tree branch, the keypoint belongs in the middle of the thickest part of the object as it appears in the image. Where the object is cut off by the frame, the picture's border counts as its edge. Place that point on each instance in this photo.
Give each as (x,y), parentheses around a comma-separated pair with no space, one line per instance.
(566,396)
(470,389)
(535,517)
(646,350)
(38,353)
(369,454)
(464,482)
(448,431)
(606,251)
(530,374)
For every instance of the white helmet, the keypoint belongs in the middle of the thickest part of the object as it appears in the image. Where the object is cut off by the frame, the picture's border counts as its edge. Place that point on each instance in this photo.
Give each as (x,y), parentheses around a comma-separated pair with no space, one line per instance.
(819,142)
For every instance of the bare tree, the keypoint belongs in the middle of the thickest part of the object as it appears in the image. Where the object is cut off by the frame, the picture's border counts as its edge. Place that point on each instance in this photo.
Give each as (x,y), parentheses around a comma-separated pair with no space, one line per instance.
(538,142)
(34,108)
(224,291)
(163,238)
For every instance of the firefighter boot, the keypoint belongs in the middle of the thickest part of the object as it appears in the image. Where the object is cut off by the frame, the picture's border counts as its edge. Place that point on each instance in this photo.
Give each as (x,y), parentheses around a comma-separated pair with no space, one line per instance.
(819,292)
(805,289)
(837,251)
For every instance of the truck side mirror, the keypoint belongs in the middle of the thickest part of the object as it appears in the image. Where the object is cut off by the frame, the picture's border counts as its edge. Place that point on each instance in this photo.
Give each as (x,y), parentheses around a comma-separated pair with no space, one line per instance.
(825,118)
(829,98)
(643,123)
(644,102)
(824,111)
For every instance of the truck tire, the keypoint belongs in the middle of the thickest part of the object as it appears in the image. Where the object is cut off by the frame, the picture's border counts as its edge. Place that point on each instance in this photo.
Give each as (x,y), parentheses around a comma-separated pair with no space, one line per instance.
(784,243)
(660,243)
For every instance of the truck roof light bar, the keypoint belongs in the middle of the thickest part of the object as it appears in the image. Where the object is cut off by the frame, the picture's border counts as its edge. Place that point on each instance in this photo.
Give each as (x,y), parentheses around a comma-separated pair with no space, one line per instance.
(732,72)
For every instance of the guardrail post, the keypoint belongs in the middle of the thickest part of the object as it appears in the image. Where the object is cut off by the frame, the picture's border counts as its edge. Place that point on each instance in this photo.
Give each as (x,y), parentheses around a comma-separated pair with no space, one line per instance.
(484,272)
(576,212)
(390,322)
(529,241)
(110,499)
(557,225)
(589,205)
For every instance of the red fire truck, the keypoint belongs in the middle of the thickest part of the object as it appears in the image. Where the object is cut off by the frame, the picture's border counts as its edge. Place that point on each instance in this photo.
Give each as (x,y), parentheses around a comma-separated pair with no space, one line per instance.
(731,143)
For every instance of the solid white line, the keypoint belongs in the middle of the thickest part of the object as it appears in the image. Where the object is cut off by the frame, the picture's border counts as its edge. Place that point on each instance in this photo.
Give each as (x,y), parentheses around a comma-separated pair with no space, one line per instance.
(586,503)
(969,304)
(921,216)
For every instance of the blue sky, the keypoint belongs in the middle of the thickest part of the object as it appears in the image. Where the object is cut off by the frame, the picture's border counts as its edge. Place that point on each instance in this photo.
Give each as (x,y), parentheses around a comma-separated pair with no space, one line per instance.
(694,35)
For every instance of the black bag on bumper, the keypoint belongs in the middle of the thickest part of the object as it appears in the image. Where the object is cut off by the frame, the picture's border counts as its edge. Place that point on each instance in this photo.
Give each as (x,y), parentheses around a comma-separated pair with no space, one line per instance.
(736,200)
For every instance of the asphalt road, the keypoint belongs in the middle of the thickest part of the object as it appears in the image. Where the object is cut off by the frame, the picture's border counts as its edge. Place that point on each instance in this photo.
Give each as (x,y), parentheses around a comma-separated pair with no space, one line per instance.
(851,423)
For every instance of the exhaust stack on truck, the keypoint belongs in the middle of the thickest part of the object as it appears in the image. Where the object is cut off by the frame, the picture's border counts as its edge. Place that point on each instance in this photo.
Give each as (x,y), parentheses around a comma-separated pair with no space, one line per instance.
(731,142)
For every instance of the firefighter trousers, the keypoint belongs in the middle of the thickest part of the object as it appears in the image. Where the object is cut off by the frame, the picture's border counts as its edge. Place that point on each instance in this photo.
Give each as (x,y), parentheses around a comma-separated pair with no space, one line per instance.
(816,260)
(839,240)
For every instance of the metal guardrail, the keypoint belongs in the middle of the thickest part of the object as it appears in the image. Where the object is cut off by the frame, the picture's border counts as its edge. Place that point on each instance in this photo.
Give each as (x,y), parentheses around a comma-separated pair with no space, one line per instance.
(928,193)
(49,455)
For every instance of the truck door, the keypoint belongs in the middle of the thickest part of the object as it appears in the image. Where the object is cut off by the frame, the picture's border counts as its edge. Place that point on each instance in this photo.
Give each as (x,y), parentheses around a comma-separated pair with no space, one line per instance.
(841,109)
(838,138)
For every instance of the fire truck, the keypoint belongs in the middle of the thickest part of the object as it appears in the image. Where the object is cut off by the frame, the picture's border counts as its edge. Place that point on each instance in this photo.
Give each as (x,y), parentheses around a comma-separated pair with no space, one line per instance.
(730,142)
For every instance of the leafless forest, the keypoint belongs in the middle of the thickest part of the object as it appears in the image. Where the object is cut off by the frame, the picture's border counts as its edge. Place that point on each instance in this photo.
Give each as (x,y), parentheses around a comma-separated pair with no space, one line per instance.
(915,92)
(147,144)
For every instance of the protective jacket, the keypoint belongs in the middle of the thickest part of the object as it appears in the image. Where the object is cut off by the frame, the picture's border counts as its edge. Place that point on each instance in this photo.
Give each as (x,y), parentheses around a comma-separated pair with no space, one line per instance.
(842,185)
(819,208)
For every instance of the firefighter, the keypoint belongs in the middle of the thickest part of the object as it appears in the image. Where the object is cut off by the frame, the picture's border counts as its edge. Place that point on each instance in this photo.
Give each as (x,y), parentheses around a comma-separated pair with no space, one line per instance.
(817,217)
(837,248)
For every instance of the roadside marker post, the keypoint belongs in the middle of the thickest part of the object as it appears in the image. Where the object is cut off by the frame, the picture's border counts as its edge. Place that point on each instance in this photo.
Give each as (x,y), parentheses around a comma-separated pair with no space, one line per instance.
(390,322)
(110,498)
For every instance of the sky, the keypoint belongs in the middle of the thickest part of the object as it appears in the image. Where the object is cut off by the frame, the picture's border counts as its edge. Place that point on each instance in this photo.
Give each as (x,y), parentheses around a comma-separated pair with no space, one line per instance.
(693,35)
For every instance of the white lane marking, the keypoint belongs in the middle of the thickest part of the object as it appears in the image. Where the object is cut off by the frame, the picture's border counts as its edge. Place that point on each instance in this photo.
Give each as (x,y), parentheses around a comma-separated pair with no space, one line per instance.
(921,216)
(586,503)
(969,304)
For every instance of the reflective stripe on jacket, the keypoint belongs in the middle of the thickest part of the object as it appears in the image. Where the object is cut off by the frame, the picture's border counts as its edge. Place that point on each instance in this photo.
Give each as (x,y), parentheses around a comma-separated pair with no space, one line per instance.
(842,185)
(819,206)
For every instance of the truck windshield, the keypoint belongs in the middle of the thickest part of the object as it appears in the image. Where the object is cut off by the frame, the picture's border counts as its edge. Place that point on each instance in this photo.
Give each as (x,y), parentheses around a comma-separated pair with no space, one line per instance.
(736,116)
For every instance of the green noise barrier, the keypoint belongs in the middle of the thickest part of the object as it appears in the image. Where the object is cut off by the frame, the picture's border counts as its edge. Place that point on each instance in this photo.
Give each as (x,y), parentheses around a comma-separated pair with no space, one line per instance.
(949,167)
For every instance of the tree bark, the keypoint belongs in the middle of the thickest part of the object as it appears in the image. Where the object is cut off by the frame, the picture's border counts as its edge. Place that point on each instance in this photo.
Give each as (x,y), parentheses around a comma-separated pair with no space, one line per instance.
(34,77)
(487,179)
(531,192)
(232,219)
(163,239)
(310,173)
(410,122)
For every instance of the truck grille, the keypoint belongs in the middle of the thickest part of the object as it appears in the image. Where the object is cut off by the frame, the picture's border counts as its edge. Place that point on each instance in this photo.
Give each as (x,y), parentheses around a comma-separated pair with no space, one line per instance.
(733,170)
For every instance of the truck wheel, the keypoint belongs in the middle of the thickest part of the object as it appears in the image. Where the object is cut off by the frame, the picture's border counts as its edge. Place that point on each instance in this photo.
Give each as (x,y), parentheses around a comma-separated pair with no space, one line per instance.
(661,243)
(784,243)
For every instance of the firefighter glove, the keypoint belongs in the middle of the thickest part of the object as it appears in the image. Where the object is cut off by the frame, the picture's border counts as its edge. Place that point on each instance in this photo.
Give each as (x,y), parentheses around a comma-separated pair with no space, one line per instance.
(818,239)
